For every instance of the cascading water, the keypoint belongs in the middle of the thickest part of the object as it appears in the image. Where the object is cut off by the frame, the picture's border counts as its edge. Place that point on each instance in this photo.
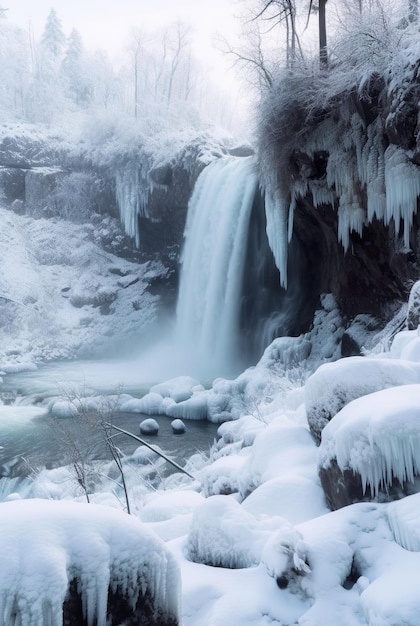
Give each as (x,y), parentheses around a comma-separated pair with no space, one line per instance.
(213,262)
(230,302)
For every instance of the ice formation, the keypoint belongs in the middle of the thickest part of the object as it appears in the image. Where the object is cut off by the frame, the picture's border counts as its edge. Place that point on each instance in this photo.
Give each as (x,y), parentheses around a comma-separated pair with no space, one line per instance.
(44,545)
(132,193)
(213,259)
(377,436)
(359,162)
(279,226)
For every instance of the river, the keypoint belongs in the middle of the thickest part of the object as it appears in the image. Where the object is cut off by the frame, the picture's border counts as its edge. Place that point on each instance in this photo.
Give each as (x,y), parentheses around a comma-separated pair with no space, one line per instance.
(31,438)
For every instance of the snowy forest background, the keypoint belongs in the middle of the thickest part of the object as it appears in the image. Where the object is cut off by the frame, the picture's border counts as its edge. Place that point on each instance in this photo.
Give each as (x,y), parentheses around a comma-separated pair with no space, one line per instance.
(166,261)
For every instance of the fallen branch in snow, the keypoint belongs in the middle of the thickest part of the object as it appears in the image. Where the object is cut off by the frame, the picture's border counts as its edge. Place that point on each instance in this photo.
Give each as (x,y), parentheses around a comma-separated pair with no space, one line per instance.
(11,300)
(148,445)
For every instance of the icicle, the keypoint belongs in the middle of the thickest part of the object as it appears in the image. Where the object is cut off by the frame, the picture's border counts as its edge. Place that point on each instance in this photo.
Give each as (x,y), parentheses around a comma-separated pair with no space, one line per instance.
(277,212)
(132,194)
(402,182)
(351,217)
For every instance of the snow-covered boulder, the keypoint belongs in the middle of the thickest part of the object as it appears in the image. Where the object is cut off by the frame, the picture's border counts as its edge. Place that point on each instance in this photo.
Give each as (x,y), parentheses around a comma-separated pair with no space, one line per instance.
(371,448)
(83,564)
(334,385)
(178,427)
(149,427)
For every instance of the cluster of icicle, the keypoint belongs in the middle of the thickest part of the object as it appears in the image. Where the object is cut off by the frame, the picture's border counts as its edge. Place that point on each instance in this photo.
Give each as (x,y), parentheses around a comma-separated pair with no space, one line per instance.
(359,165)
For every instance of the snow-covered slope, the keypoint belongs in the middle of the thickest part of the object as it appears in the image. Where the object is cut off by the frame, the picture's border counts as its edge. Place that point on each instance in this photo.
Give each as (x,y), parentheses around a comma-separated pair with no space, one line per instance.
(61,293)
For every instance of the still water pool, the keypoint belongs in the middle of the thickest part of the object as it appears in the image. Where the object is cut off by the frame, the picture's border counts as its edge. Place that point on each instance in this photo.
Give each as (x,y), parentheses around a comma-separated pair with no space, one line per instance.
(31,438)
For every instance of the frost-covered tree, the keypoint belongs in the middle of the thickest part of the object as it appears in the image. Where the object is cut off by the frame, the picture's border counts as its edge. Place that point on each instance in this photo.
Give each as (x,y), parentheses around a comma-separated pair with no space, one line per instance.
(413,10)
(283,12)
(53,38)
(73,69)
(15,73)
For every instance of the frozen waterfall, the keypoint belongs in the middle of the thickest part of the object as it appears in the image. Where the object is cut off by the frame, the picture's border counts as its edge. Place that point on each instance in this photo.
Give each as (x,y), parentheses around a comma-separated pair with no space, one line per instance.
(216,235)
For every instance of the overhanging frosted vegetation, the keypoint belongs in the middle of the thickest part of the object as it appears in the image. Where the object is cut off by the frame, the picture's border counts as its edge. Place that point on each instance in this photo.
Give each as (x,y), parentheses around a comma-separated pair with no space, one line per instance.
(345,136)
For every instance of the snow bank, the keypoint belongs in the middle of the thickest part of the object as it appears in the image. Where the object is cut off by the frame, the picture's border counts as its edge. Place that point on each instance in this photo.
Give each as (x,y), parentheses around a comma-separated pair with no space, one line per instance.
(181,397)
(108,553)
(377,436)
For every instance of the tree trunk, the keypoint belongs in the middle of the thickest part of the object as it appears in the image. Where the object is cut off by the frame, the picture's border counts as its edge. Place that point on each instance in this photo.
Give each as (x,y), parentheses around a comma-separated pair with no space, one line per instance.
(323,54)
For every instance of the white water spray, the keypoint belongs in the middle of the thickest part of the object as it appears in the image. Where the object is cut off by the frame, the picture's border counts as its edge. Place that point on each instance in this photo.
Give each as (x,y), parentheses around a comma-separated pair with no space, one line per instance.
(216,237)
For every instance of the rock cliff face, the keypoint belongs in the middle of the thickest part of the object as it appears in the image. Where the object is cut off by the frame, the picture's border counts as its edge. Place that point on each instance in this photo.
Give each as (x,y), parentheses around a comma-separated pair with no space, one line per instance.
(345,179)
(42,175)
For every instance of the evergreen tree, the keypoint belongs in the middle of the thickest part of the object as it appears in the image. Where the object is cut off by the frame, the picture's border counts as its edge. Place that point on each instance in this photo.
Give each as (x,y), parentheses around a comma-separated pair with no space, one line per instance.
(53,38)
(74,71)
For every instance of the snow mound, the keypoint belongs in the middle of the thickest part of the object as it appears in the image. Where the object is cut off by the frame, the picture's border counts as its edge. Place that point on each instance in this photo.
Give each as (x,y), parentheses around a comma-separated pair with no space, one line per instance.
(163,506)
(222,534)
(102,552)
(334,385)
(377,436)
(281,449)
(179,389)
(295,498)
(222,477)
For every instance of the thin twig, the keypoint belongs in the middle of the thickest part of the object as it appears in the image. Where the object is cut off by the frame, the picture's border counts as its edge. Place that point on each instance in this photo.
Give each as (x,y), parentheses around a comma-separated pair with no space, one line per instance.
(148,445)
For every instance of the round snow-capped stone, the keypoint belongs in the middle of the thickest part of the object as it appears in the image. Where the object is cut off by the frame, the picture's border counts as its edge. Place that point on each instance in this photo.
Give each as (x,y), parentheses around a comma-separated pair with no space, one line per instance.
(178,427)
(149,427)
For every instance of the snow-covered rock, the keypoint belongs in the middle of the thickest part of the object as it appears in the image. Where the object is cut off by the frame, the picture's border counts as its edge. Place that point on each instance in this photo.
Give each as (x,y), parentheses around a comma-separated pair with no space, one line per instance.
(333,385)
(84,563)
(178,427)
(374,442)
(149,427)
